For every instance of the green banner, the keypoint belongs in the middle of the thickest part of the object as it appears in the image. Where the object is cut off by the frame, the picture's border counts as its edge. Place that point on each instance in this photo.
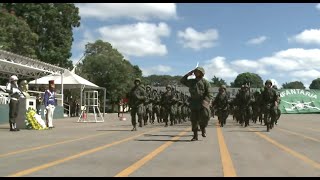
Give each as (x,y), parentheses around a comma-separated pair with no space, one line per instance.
(296,101)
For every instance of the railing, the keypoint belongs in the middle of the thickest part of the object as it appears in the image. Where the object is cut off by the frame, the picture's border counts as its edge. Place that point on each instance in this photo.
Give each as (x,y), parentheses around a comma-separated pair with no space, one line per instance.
(67,109)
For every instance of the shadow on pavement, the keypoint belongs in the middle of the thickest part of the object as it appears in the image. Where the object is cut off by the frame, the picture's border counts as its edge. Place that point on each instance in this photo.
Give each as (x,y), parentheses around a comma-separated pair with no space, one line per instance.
(166,135)
(115,130)
(167,140)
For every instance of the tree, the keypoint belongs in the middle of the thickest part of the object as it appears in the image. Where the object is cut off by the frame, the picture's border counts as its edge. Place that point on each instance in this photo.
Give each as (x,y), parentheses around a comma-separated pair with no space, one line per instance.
(217,82)
(315,84)
(16,35)
(293,85)
(253,79)
(162,80)
(53,23)
(106,67)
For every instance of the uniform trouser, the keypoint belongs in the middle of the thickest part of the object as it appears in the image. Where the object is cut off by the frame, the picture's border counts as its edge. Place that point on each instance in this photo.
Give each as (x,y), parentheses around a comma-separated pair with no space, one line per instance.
(270,114)
(222,116)
(13,112)
(200,117)
(49,114)
(137,111)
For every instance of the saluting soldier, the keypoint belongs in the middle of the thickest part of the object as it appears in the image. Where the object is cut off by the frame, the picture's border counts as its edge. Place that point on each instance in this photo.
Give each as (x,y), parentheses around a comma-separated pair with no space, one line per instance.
(200,100)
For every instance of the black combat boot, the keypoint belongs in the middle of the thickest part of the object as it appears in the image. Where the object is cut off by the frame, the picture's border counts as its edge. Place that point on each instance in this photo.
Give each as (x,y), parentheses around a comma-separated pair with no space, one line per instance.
(11,127)
(15,127)
(204,134)
(140,123)
(134,128)
(195,136)
(166,125)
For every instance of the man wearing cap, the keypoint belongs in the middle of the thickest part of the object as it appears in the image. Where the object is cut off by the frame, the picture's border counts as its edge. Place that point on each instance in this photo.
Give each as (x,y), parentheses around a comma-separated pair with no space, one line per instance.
(50,102)
(14,94)
(200,100)
(137,97)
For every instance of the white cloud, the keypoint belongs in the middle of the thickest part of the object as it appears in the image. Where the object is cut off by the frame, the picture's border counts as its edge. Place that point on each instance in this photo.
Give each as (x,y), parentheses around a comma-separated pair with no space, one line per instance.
(318,6)
(275,82)
(309,74)
(300,64)
(190,38)
(138,11)
(160,69)
(141,39)
(257,40)
(219,67)
(311,36)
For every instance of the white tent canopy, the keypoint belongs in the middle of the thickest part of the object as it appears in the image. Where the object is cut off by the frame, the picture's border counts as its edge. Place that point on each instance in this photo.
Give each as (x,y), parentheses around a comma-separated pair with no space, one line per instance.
(69,80)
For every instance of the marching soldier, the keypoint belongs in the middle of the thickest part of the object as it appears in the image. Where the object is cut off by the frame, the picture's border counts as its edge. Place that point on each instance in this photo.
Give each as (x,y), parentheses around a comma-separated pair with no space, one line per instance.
(278,111)
(200,100)
(270,104)
(244,102)
(221,103)
(148,106)
(137,97)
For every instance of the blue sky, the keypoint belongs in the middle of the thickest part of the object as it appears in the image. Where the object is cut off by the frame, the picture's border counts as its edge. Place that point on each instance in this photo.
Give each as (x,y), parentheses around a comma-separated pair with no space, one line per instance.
(278,41)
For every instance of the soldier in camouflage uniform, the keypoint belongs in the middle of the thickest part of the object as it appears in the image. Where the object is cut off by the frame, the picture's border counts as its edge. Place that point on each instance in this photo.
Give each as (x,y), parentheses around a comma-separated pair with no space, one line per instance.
(221,103)
(137,96)
(201,97)
(148,106)
(256,107)
(270,104)
(278,114)
(244,102)
(156,106)
(167,100)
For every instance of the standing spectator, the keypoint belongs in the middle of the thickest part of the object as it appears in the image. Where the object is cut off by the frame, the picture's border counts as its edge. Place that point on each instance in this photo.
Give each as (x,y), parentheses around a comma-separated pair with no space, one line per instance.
(50,102)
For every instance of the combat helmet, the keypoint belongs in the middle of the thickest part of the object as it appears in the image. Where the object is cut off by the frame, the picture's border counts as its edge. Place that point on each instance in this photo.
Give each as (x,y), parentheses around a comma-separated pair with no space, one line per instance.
(268,82)
(201,70)
(169,86)
(148,86)
(137,79)
(275,87)
(223,87)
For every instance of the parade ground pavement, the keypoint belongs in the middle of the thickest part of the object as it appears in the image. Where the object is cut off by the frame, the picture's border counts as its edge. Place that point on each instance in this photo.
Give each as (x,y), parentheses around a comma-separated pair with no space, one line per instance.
(110,148)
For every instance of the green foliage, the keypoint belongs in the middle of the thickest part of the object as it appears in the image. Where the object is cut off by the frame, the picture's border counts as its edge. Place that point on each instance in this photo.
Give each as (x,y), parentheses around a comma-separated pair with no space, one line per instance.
(217,82)
(106,67)
(253,79)
(315,84)
(16,36)
(53,23)
(162,80)
(293,85)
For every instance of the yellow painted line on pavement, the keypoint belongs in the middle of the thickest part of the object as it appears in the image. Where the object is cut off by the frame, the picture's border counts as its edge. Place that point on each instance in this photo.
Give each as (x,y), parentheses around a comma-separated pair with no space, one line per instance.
(126,172)
(49,145)
(298,134)
(316,130)
(227,165)
(53,163)
(288,150)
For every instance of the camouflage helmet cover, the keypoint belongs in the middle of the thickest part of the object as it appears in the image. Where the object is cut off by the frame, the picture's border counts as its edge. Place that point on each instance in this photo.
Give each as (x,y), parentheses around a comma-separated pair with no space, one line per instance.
(268,82)
(137,79)
(168,86)
(200,69)
(223,87)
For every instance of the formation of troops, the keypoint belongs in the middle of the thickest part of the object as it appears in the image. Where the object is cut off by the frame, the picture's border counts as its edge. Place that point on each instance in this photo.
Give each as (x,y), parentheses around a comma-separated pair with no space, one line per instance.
(172,106)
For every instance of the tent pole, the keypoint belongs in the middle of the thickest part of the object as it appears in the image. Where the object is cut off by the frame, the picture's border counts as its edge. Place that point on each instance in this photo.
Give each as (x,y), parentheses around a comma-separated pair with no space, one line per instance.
(104,100)
(81,97)
(62,89)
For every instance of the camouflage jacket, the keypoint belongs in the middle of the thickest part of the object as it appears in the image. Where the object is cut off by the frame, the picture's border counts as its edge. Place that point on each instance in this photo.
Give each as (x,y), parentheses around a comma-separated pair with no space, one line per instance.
(199,90)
